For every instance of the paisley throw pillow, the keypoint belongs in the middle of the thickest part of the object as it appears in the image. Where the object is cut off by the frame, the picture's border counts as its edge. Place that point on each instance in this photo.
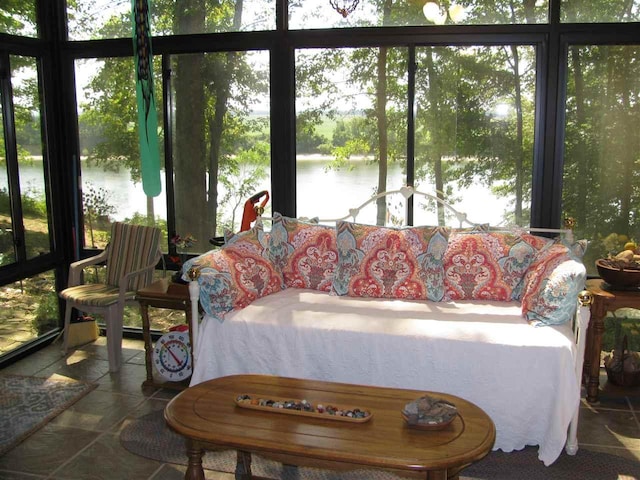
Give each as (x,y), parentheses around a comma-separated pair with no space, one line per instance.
(305,253)
(376,261)
(552,284)
(486,265)
(235,275)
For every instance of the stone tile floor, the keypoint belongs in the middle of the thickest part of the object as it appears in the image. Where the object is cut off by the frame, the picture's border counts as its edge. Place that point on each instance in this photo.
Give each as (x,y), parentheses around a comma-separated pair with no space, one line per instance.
(83,442)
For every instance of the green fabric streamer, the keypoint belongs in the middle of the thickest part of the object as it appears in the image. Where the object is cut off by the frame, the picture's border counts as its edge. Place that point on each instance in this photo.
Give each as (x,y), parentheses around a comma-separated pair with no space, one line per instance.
(147,115)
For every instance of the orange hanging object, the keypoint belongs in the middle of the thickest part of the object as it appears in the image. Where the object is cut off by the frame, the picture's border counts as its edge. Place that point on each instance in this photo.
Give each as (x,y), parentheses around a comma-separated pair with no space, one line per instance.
(252,211)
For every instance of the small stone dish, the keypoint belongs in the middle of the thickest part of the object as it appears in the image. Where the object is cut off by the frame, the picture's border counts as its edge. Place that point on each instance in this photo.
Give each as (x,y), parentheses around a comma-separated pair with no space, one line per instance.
(429,413)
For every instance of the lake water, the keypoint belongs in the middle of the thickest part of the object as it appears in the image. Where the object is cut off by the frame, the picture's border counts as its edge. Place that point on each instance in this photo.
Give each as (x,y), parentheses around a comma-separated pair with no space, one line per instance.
(320,192)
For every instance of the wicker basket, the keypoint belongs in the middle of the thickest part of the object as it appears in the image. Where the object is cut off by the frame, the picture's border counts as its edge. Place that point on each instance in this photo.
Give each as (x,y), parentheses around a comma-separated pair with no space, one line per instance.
(623,366)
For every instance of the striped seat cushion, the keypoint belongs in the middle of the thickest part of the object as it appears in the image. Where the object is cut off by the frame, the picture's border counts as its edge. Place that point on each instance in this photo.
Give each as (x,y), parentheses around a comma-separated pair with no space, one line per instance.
(97,295)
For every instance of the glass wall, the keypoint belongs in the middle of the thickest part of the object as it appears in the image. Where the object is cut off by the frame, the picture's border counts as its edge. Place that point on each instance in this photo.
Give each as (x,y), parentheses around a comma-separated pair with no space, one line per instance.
(602,147)
(30,305)
(589,11)
(475,129)
(18,17)
(7,247)
(109,164)
(329,104)
(98,19)
(351,128)
(23,189)
(314,14)
(31,169)
(30,310)
(221,144)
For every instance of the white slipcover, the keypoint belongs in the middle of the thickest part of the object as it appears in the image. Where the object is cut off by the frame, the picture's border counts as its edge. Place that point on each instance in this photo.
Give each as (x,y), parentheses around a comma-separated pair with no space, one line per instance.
(522,376)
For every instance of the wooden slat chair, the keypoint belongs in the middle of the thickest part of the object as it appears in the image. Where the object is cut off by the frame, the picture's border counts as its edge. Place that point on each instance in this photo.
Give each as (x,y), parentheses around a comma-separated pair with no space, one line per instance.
(131,256)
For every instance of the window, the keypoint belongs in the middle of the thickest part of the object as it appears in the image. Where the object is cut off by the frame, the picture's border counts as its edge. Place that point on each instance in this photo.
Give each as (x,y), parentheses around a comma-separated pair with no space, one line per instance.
(18,18)
(221,145)
(351,128)
(95,19)
(313,14)
(474,115)
(589,11)
(601,176)
(22,176)
(474,130)
(109,149)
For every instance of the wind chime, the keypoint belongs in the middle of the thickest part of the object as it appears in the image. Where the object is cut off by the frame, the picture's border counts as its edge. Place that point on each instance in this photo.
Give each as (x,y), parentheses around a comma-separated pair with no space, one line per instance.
(344,7)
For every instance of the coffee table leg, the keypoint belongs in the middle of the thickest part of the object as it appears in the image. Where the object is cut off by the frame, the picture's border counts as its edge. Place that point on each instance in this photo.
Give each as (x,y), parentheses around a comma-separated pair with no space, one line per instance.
(243,466)
(194,467)
(437,475)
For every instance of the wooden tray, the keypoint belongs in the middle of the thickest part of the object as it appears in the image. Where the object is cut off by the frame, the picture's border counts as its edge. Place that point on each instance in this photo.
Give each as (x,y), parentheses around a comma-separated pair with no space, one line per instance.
(428,426)
(302,413)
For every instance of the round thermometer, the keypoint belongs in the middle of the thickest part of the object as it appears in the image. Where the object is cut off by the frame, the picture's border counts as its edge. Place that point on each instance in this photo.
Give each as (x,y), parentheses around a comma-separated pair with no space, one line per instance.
(172,356)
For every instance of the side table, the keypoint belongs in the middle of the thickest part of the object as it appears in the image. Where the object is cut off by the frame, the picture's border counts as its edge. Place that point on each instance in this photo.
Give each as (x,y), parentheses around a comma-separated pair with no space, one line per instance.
(162,294)
(603,301)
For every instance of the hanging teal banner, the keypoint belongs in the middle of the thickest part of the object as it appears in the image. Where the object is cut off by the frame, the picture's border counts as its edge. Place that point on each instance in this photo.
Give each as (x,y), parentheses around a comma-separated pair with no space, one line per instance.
(147,115)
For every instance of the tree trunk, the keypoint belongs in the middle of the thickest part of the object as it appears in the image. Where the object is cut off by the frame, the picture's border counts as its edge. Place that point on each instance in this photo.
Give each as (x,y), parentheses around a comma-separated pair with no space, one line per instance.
(627,155)
(222,75)
(381,117)
(383,145)
(519,161)
(189,144)
(581,157)
(436,133)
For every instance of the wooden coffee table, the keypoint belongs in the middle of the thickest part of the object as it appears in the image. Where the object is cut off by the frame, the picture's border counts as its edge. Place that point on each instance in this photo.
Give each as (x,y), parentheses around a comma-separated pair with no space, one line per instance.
(206,414)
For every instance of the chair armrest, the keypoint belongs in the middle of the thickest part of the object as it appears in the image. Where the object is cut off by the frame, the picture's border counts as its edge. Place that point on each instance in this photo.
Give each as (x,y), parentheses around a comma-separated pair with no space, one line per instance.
(124,280)
(76,268)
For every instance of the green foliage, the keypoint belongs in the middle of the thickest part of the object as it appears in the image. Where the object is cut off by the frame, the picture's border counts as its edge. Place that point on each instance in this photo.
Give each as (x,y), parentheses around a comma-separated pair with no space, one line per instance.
(241,177)
(96,207)
(601,188)
(41,291)
(15,14)
(33,203)
(46,315)
(141,219)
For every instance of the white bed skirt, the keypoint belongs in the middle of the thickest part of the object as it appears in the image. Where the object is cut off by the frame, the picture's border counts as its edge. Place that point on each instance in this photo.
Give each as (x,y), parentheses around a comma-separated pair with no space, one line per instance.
(522,376)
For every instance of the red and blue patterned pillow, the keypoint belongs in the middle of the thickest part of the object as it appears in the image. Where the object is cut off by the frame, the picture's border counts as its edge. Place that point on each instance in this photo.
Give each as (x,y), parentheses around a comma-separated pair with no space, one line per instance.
(235,275)
(305,253)
(553,282)
(487,265)
(383,262)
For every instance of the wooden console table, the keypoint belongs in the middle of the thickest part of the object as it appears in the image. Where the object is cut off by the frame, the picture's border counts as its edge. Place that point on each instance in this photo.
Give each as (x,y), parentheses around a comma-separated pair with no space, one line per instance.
(162,294)
(603,301)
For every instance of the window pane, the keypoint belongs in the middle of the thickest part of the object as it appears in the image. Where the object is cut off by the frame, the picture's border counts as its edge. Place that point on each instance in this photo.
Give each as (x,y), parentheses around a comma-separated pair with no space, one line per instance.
(310,14)
(18,18)
(349,146)
(26,102)
(474,130)
(601,183)
(590,11)
(93,19)
(109,147)
(221,149)
(30,310)
(7,248)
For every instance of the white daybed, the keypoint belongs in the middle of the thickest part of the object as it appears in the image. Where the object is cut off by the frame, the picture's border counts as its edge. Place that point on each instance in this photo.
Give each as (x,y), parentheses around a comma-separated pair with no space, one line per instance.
(526,378)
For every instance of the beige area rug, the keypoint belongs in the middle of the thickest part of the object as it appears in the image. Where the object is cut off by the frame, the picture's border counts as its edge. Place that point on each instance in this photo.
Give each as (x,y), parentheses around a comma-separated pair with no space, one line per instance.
(149,437)
(28,403)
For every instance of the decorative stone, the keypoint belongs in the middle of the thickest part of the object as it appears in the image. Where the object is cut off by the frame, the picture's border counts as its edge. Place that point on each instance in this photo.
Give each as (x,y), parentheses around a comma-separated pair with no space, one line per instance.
(428,410)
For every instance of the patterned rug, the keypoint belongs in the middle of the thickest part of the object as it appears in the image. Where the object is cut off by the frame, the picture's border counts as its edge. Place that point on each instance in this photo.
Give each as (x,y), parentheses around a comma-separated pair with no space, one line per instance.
(149,437)
(28,403)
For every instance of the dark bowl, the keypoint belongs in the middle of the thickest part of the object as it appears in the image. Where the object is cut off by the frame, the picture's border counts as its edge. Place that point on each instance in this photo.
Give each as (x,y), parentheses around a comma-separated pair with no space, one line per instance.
(617,277)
